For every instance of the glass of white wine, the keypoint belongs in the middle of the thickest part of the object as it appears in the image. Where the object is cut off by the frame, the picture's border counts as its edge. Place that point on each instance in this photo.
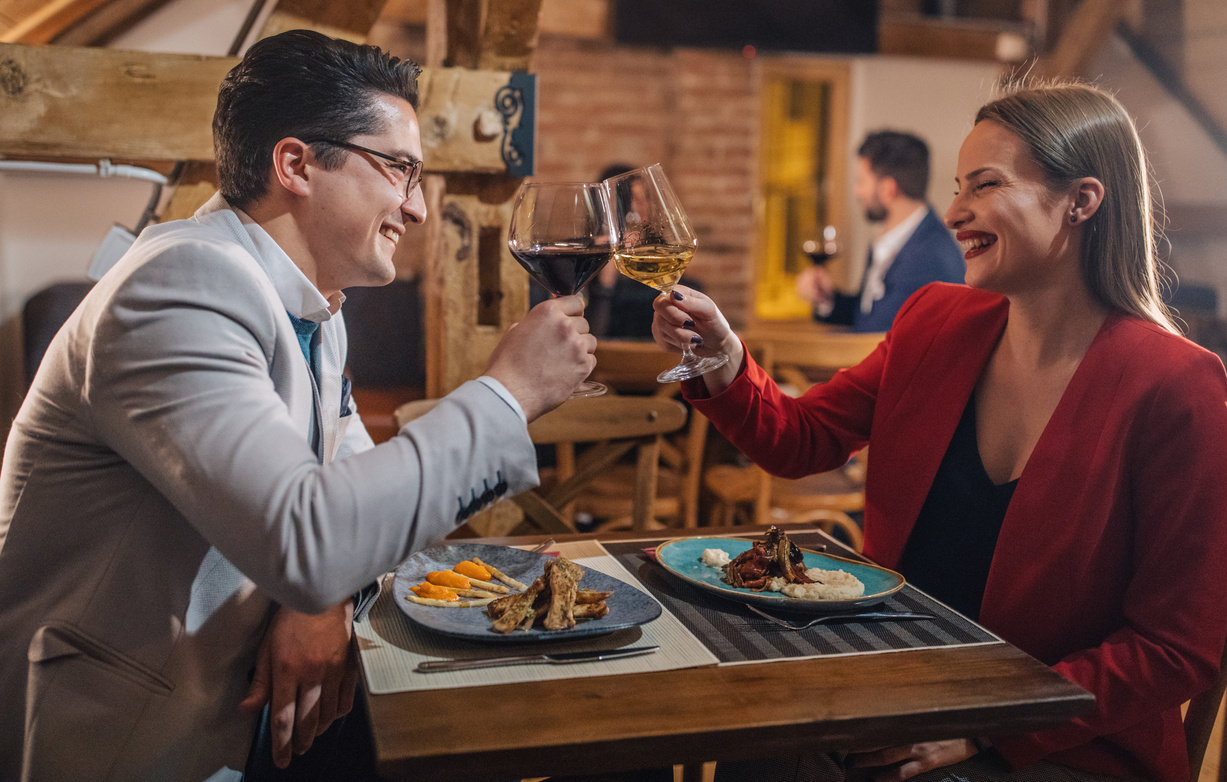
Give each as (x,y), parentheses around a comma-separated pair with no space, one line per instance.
(655,244)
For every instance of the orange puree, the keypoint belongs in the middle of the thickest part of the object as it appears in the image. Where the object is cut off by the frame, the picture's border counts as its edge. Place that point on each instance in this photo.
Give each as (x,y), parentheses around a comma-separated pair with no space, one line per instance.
(472,570)
(434,592)
(448,579)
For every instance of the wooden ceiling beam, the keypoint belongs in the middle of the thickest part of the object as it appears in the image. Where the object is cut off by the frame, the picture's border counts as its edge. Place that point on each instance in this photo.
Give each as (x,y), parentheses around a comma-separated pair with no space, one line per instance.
(965,39)
(351,19)
(1082,38)
(44,22)
(58,102)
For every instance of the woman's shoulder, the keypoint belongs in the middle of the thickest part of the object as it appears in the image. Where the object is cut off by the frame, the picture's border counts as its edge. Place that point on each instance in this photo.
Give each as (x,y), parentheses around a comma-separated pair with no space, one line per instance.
(951,301)
(1148,344)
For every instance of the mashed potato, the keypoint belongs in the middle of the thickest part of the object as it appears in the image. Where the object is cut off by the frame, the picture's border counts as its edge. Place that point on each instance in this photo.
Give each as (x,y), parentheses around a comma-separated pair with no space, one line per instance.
(836,585)
(715,557)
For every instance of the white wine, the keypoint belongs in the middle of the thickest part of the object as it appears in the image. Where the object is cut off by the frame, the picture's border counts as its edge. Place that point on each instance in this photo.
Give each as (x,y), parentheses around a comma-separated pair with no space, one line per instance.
(657,265)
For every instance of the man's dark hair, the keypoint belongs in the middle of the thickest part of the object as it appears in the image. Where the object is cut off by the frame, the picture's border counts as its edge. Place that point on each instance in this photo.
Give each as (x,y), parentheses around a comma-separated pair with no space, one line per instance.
(900,156)
(306,85)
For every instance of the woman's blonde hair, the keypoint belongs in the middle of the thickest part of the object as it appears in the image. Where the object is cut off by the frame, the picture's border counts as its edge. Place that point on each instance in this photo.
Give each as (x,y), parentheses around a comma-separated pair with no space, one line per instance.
(1074,130)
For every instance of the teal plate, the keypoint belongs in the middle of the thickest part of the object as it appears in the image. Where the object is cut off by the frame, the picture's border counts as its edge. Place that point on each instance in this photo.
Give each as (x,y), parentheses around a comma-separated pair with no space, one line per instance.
(682,558)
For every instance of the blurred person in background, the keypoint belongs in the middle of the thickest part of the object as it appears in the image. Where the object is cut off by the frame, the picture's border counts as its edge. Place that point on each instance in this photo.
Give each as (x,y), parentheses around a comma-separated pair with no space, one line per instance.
(912,248)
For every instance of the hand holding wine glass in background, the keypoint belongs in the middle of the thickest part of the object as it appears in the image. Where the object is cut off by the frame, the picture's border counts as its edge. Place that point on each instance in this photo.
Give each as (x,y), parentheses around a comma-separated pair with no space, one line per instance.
(562,234)
(654,246)
(815,284)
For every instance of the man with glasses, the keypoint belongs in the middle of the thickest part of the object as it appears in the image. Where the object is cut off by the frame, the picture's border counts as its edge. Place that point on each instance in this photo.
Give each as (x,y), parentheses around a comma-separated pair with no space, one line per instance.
(190,509)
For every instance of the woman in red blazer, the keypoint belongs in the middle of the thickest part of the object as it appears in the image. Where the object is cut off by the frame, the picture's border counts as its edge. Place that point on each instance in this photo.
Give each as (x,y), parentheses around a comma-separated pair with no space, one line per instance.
(1052,411)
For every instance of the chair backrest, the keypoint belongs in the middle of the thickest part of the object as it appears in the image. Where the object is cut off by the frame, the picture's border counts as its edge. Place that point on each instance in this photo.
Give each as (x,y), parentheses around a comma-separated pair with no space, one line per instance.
(614,425)
(808,358)
(43,315)
(630,366)
(1199,724)
(801,359)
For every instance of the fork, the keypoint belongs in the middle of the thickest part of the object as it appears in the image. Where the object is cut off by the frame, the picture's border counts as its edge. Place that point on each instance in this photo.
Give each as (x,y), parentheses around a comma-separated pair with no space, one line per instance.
(892,615)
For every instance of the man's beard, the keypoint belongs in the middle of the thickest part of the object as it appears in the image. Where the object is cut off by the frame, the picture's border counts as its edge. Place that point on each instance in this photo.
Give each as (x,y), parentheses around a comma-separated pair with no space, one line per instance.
(875,212)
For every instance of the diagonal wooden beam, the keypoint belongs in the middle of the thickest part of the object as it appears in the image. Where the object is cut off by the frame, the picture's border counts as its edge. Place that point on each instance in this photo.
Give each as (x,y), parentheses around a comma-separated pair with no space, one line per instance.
(48,20)
(351,19)
(1090,27)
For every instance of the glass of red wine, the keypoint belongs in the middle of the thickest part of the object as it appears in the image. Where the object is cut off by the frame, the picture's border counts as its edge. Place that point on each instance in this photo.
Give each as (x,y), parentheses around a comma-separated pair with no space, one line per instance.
(562,234)
(822,250)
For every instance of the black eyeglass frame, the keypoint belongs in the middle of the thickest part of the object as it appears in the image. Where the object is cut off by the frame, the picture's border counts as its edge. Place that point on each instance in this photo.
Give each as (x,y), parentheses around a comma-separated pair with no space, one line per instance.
(414,166)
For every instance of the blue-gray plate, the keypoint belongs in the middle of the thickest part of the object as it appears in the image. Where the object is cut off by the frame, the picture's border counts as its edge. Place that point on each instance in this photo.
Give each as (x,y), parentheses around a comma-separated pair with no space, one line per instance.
(628,606)
(682,558)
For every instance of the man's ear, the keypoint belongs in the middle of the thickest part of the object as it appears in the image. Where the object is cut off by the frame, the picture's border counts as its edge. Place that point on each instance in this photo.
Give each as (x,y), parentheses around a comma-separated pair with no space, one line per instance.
(888,189)
(293,164)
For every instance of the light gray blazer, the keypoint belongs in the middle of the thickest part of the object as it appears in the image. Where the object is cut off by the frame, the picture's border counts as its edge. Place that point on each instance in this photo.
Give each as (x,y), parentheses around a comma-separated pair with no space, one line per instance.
(158,493)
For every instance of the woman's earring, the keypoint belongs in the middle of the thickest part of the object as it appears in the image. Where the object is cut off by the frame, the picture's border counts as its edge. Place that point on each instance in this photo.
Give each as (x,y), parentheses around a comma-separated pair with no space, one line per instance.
(1073,217)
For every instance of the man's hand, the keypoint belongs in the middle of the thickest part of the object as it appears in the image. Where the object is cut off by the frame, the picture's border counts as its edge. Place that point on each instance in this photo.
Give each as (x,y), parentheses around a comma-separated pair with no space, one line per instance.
(911,759)
(307,667)
(814,284)
(541,359)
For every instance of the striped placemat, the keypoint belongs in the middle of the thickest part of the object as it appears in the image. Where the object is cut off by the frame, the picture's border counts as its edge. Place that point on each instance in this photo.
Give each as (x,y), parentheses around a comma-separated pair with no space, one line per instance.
(735,635)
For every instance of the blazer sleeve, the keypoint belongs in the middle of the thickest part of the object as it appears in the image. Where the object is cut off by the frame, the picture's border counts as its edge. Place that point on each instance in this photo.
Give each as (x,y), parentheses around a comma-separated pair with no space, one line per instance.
(1171,642)
(791,437)
(178,384)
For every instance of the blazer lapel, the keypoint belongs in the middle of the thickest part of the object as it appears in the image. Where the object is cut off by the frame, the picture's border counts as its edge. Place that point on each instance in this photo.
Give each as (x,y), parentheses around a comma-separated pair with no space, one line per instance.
(925,386)
(1052,489)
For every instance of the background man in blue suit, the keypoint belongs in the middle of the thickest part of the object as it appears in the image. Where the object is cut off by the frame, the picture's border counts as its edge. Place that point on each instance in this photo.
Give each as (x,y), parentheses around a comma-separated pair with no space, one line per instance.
(912,249)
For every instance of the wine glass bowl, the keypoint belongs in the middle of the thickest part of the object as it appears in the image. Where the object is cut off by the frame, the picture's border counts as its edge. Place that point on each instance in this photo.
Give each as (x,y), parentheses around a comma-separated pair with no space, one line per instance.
(824,249)
(655,244)
(562,234)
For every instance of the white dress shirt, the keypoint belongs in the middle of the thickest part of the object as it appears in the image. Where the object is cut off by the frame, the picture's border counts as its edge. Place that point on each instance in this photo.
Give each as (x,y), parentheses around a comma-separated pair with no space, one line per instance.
(884,250)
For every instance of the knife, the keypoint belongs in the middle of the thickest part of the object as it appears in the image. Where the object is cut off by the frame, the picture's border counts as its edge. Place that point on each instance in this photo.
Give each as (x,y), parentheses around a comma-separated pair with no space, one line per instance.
(558,658)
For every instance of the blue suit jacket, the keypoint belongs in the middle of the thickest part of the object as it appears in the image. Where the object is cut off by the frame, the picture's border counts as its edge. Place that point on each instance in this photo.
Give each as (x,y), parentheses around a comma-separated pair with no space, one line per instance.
(930,255)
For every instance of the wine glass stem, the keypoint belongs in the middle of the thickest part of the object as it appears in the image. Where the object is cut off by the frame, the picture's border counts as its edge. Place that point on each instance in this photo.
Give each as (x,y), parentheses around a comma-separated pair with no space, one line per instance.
(688,356)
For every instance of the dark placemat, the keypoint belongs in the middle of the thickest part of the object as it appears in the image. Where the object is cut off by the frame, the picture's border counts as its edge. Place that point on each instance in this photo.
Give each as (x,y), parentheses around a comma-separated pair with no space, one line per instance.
(734,634)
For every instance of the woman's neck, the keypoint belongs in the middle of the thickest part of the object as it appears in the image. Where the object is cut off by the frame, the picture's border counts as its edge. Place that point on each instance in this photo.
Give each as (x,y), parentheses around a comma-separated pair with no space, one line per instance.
(1052,326)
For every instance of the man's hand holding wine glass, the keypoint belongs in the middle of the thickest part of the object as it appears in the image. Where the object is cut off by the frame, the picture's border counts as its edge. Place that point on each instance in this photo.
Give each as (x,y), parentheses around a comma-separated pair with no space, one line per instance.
(687,318)
(541,359)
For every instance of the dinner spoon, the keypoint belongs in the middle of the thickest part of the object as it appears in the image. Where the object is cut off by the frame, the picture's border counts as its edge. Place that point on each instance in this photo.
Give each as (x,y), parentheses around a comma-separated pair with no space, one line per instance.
(869,615)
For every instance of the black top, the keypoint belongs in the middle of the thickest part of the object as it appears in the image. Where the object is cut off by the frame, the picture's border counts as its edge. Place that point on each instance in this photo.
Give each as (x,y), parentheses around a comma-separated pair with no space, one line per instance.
(951,547)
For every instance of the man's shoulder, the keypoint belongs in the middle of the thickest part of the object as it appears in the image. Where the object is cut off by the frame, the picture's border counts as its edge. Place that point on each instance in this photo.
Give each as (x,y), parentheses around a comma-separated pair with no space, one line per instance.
(932,251)
(197,251)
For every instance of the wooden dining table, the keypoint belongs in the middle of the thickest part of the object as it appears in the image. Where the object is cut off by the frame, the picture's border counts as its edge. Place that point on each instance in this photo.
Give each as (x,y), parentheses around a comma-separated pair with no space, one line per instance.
(718,712)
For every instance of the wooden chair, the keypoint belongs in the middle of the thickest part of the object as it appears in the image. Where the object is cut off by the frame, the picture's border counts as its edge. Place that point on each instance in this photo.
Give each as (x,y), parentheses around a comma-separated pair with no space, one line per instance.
(1199,721)
(631,367)
(613,426)
(797,361)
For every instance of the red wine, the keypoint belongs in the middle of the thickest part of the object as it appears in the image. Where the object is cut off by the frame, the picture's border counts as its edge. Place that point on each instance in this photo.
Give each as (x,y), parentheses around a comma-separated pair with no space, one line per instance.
(563,270)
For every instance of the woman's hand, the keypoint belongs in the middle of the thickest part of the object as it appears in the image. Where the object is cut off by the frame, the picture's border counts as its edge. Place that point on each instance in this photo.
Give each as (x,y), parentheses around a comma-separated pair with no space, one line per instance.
(907,761)
(686,317)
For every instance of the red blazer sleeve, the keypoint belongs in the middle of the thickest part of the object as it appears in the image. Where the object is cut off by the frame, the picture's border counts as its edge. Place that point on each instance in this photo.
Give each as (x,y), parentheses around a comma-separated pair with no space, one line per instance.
(791,437)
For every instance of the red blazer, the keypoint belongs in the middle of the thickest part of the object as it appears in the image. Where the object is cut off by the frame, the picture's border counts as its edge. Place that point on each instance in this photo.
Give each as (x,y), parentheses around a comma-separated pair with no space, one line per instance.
(1110,565)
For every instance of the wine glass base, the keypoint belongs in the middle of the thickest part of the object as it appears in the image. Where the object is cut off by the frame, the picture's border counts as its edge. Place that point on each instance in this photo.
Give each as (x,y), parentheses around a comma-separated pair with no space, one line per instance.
(692,367)
(587,389)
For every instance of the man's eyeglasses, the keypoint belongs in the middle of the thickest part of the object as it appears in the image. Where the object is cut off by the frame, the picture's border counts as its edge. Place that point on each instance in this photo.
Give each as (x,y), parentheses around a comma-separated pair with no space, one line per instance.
(410,170)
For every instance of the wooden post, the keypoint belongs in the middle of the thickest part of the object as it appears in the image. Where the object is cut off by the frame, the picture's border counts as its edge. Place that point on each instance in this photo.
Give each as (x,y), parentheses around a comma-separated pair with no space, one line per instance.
(474,288)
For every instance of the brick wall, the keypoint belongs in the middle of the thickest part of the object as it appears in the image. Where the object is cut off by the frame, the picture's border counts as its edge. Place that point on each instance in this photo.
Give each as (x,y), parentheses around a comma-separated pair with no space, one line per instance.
(600,104)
